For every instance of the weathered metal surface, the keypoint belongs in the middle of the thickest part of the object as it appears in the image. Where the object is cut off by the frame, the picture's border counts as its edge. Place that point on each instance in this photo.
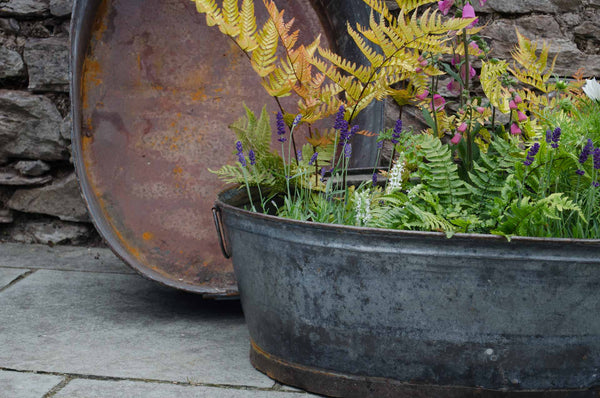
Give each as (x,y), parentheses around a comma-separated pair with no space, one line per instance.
(153,91)
(472,311)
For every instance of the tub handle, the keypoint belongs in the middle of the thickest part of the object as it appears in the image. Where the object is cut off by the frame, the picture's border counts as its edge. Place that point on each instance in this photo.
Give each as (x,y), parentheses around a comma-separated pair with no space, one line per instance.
(219,226)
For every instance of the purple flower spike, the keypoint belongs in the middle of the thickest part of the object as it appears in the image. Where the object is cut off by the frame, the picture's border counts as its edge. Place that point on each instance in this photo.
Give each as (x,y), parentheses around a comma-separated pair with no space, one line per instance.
(586,151)
(531,154)
(596,184)
(379,144)
(339,118)
(374,178)
(548,136)
(280,128)
(348,150)
(299,155)
(398,127)
(346,135)
(297,120)
(313,158)
(238,147)
(580,172)
(555,137)
(397,132)
(242,159)
(597,158)
(323,171)
(252,157)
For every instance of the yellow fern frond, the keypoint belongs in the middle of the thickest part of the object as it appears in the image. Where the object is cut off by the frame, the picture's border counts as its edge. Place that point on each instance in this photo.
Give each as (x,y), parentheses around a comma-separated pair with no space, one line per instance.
(247,37)
(529,68)
(212,11)
(380,7)
(231,18)
(264,56)
(283,28)
(492,85)
(410,5)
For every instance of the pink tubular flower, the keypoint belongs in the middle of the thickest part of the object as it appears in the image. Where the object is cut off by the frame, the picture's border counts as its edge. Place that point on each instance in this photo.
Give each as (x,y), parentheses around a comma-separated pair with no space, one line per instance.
(455,60)
(521,116)
(515,130)
(472,72)
(480,109)
(456,139)
(518,99)
(462,128)
(438,102)
(469,12)
(512,105)
(453,87)
(475,47)
(423,96)
(445,5)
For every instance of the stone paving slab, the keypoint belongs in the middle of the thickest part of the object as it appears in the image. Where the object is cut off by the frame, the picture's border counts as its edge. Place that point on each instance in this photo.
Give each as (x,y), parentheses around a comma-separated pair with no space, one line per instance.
(26,385)
(61,257)
(132,389)
(123,326)
(7,275)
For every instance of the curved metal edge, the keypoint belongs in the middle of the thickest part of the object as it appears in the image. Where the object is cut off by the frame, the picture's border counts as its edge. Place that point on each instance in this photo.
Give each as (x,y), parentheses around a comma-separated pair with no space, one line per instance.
(82,20)
(225,203)
(335,384)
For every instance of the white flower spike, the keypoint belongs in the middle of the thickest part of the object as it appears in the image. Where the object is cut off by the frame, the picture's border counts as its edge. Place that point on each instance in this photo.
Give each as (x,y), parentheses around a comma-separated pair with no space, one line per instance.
(592,89)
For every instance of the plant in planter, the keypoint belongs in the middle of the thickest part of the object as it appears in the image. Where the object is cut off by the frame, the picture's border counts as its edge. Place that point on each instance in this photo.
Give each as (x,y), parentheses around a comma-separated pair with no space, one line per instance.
(355,311)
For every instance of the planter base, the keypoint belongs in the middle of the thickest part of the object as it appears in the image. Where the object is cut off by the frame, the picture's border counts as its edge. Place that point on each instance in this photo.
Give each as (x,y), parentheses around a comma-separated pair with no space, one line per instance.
(350,386)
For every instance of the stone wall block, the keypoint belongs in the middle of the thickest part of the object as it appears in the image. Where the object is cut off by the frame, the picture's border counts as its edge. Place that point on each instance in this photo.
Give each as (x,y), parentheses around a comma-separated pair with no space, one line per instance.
(24,7)
(48,64)
(62,199)
(31,168)
(30,127)
(541,28)
(11,63)
(61,8)
(49,231)
(10,176)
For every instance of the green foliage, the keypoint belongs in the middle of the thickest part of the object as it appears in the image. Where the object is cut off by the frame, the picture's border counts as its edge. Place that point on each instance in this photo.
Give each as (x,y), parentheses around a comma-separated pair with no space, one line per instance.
(529,217)
(480,182)
(254,134)
(439,173)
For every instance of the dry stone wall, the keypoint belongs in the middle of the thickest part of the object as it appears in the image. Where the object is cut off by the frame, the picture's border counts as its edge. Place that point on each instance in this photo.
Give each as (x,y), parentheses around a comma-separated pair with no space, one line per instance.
(39,196)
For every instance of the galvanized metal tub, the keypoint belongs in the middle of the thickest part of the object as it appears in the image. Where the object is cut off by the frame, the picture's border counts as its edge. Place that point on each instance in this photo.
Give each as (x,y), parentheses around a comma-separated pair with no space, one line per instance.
(359,312)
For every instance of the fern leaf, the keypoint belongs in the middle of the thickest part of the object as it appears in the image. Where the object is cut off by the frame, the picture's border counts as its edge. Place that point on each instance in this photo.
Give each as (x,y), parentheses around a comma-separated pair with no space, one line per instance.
(264,56)
(440,173)
(530,68)
(492,85)
(247,37)
(410,5)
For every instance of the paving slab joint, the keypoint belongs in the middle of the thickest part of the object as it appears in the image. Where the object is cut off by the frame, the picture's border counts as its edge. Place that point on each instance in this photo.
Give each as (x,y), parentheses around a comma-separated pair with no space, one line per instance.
(190,382)
(17,279)
(54,390)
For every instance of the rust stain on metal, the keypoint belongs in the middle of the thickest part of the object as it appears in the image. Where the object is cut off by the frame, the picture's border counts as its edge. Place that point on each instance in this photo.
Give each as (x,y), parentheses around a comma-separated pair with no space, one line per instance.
(159,89)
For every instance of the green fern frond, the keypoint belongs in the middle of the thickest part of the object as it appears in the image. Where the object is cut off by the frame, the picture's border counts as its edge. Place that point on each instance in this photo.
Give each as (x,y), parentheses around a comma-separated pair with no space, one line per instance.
(528,217)
(440,173)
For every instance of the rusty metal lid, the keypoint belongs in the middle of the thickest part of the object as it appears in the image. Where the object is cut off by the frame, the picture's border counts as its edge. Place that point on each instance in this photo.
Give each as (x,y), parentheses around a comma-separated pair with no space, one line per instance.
(153,91)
